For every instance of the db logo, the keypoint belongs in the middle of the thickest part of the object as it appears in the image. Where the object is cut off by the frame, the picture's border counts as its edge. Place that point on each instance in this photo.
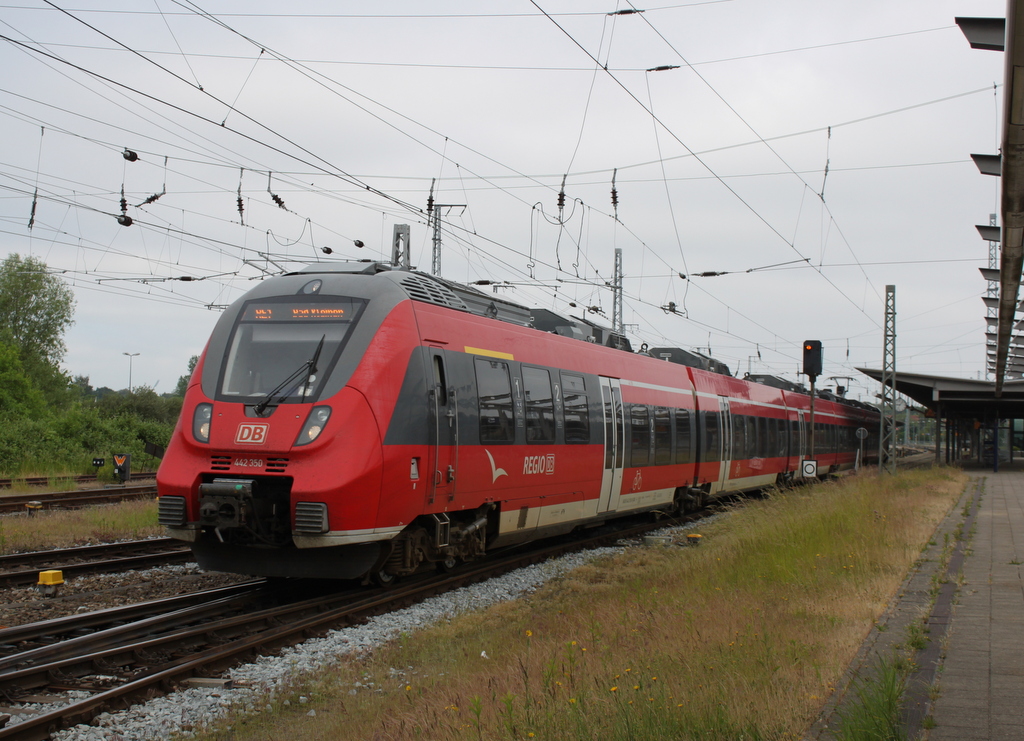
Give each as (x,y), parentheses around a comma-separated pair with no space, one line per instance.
(251,434)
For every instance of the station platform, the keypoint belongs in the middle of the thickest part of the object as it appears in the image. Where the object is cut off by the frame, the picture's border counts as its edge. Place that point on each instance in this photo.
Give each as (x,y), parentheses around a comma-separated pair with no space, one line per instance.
(966,597)
(981,677)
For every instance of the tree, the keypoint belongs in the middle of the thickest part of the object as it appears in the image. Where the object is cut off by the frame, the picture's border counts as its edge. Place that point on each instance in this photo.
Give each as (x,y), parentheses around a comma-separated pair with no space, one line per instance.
(19,397)
(35,310)
(182,386)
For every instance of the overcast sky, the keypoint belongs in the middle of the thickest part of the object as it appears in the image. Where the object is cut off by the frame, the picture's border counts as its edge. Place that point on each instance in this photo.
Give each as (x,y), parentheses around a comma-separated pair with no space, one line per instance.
(346,112)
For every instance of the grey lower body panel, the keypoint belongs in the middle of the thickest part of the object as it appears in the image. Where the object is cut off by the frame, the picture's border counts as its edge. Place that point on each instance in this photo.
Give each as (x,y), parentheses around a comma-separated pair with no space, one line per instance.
(342,562)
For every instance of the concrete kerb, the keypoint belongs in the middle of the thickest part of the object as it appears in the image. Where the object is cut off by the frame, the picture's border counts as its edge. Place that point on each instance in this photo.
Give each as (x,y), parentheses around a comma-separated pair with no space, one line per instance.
(910,604)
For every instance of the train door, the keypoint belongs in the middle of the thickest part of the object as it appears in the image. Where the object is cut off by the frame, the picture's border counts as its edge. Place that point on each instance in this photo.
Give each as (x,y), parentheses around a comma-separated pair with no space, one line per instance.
(725,445)
(446,431)
(614,442)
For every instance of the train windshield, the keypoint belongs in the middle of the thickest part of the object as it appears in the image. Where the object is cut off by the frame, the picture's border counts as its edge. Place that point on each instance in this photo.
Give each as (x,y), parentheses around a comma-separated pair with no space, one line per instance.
(274,340)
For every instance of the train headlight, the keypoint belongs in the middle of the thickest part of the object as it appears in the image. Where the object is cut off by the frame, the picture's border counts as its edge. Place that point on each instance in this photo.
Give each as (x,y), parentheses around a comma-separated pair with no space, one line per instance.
(201,422)
(315,423)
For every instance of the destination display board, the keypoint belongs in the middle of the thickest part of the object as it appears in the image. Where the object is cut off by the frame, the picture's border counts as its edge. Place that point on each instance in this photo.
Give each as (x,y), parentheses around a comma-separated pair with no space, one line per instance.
(304,311)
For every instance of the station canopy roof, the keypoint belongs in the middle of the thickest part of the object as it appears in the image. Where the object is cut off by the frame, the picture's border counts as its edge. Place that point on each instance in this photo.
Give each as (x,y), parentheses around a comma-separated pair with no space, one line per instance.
(962,398)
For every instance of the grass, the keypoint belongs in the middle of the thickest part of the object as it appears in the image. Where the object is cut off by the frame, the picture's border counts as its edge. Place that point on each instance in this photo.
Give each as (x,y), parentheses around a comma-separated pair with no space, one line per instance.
(744,637)
(66,528)
(876,715)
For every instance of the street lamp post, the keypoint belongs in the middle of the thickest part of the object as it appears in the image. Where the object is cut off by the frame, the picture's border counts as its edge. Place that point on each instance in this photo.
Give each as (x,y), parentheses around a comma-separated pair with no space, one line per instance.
(130,355)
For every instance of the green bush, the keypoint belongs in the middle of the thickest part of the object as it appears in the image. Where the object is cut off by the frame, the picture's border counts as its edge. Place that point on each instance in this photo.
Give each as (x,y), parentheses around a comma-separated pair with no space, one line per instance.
(64,441)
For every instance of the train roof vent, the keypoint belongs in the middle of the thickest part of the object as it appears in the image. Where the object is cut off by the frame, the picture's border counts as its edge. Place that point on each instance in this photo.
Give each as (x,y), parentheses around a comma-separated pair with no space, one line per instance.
(421,288)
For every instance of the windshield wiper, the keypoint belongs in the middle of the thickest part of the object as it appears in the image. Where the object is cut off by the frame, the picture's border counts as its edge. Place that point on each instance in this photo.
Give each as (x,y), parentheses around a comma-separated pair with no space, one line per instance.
(308,368)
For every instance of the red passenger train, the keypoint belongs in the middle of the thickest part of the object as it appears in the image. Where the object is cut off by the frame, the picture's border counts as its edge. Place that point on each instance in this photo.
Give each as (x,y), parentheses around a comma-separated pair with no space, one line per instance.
(367,423)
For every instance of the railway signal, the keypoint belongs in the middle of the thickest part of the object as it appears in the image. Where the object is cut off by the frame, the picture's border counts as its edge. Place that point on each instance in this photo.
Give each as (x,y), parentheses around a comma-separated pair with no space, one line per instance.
(812,359)
(812,368)
(123,466)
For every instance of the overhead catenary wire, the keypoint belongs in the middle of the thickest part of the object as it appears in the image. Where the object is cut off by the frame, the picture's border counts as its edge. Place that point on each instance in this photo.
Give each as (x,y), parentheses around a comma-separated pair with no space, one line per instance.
(462,172)
(704,164)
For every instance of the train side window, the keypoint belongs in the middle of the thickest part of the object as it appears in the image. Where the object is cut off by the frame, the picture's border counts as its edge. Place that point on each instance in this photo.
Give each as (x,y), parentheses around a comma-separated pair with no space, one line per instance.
(711,436)
(739,438)
(640,435)
(540,406)
(494,391)
(773,438)
(662,437)
(684,440)
(577,415)
(439,382)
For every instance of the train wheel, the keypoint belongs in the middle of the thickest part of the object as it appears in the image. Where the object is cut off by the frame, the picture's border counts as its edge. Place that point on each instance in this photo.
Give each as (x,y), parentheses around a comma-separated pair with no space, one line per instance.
(448,565)
(383,578)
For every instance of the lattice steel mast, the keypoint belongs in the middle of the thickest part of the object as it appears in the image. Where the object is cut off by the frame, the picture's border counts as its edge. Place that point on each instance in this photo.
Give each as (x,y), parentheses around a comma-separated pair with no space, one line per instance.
(887,436)
(618,324)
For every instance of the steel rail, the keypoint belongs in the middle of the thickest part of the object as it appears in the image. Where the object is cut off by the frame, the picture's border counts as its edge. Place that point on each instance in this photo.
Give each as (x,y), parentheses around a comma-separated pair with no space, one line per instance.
(98,620)
(81,478)
(73,499)
(19,569)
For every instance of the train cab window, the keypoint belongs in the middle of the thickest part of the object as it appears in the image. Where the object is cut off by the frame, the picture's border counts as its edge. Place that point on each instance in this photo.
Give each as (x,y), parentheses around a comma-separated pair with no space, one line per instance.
(684,438)
(662,437)
(640,435)
(274,341)
(574,404)
(540,406)
(712,437)
(494,391)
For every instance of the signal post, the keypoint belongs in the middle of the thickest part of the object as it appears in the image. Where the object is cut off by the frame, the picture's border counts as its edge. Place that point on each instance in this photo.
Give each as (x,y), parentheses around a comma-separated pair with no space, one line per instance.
(812,369)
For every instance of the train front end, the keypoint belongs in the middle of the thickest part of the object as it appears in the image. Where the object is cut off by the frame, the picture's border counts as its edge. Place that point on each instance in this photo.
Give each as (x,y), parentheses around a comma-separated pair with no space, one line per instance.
(275,466)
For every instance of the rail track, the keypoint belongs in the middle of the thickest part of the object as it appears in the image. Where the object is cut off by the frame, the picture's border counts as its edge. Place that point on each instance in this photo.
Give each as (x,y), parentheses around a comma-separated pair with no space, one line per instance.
(32,503)
(81,478)
(165,643)
(19,569)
